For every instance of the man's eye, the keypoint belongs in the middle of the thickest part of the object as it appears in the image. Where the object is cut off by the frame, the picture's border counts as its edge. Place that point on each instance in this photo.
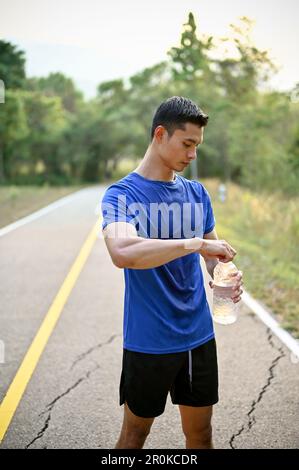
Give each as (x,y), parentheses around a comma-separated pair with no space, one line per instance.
(186,145)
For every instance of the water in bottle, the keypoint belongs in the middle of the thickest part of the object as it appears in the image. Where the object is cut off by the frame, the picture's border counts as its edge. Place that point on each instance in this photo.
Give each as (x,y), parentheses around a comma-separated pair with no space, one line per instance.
(224,309)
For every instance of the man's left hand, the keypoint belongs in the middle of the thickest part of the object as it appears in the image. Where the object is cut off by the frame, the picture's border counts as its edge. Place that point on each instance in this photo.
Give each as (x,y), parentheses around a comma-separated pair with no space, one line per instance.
(238,277)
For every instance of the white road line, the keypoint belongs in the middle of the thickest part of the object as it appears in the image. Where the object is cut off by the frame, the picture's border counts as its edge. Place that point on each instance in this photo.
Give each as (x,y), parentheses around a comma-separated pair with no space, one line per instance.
(291,343)
(45,210)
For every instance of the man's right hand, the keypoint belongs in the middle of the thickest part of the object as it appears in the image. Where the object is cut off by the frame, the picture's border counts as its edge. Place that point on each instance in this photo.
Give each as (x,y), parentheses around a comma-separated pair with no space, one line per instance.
(217,249)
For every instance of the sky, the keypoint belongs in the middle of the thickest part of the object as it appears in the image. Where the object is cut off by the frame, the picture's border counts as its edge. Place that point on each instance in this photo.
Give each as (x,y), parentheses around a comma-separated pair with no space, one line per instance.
(97,40)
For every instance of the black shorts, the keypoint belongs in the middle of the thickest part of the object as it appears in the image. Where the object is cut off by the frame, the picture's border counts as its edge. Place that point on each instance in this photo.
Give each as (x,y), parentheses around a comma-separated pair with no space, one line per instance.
(191,377)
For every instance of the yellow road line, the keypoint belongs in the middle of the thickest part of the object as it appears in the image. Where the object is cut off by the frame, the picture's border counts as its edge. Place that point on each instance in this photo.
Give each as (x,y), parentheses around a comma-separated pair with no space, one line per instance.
(26,369)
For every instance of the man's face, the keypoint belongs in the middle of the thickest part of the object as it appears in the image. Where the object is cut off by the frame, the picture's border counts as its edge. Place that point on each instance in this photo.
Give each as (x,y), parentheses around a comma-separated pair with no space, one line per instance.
(178,151)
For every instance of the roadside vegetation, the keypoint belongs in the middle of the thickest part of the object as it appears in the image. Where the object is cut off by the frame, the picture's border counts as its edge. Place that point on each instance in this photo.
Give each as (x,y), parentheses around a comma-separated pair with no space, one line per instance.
(264,229)
(18,201)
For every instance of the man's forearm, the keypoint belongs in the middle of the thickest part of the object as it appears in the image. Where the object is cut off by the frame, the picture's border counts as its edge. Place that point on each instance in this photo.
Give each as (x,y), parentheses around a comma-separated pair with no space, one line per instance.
(210,265)
(147,253)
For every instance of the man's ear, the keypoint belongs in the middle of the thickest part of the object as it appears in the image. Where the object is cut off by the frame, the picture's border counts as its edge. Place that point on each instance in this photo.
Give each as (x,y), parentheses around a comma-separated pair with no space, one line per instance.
(159,133)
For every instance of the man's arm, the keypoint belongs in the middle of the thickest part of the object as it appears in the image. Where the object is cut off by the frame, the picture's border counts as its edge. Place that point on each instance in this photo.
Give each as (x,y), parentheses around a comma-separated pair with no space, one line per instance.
(128,250)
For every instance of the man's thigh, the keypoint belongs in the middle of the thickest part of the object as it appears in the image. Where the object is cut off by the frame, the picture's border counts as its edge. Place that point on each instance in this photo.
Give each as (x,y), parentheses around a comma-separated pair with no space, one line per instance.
(146,380)
(195,420)
(196,384)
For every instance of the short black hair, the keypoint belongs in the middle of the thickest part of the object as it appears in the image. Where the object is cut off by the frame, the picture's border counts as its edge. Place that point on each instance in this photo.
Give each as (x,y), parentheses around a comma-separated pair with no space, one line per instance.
(174,112)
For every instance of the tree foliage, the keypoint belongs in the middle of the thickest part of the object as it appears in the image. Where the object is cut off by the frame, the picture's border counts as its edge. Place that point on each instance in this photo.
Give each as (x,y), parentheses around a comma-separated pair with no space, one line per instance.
(12,65)
(49,133)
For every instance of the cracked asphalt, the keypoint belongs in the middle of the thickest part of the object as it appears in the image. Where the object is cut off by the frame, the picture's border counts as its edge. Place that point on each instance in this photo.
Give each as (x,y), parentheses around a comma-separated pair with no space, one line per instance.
(71,400)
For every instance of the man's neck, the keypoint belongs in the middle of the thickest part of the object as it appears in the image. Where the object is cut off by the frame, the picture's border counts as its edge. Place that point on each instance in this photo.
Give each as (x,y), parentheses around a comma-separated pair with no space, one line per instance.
(152,168)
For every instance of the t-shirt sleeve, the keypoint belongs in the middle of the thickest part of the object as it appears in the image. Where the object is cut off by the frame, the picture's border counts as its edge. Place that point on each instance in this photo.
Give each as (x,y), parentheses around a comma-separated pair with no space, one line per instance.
(210,218)
(114,206)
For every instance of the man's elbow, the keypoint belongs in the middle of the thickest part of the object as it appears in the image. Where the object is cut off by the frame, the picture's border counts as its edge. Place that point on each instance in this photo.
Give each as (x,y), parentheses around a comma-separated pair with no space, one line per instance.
(121,260)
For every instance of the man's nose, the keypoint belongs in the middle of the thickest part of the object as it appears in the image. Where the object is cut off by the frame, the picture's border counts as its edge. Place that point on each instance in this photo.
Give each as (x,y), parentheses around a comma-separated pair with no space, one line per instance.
(191,154)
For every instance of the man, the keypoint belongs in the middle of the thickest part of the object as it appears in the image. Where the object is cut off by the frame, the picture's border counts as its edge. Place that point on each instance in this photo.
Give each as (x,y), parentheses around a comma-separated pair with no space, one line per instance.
(156,224)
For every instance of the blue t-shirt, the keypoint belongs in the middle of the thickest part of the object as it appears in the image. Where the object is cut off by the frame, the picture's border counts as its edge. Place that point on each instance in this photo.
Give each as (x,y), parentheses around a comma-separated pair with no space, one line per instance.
(165,308)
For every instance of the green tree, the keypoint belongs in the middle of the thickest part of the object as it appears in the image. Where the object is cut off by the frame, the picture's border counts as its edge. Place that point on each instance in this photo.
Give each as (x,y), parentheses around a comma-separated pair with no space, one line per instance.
(190,60)
(245,70)
(147,89)
(121,129)
(12,65)
(47,122)
(241,75)
(57,84)
(13,131)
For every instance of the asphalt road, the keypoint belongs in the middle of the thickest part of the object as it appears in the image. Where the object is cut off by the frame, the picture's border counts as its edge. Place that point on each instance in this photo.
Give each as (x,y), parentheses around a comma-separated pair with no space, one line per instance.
(71,400)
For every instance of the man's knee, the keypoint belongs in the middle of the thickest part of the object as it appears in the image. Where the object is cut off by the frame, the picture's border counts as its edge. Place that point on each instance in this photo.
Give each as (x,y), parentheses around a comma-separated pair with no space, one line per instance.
(200,434)
(133,436)
(136,426)
(136,433)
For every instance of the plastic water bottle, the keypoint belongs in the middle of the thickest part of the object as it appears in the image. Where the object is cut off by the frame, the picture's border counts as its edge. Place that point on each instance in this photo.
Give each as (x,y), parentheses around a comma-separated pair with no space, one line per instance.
(224,309)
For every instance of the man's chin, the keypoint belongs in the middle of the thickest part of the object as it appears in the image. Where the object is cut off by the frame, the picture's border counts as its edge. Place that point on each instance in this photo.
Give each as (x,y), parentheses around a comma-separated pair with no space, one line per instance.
(181,167)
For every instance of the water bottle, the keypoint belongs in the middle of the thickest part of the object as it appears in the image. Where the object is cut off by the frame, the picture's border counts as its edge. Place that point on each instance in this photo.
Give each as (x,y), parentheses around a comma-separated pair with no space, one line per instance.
(224,309)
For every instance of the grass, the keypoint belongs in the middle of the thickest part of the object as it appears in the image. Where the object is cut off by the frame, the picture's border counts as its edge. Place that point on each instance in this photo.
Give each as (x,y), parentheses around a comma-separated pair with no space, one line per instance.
(19,201)
(264,229)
